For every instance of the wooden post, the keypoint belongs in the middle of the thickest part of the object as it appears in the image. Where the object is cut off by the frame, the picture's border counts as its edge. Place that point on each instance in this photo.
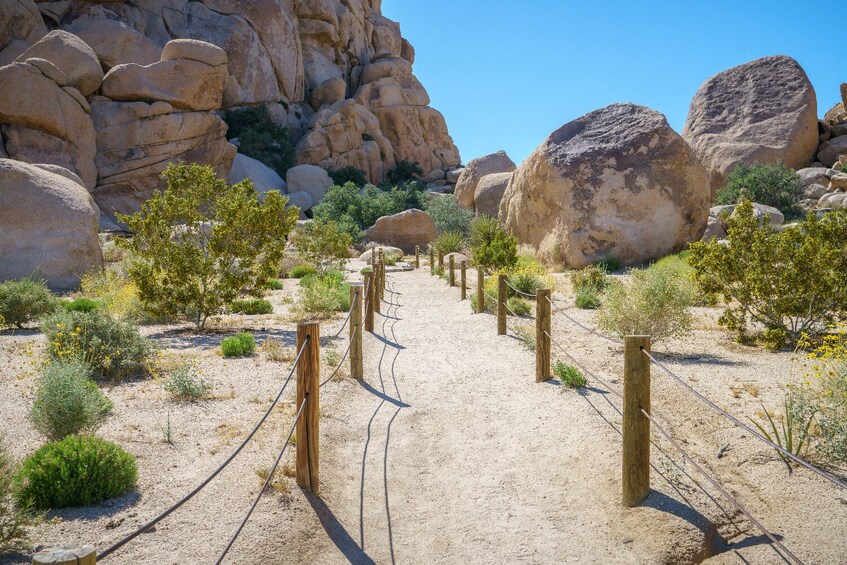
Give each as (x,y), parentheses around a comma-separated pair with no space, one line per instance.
(370,301)
(636,426)
(452,270)
(357,296)
(417,256)
(543,330)
(377,293)
(308,387)
(431,261)
(464,280)
(382,276)
(373,256)
(441,260)
(480,290)
(502,297)
(84,555)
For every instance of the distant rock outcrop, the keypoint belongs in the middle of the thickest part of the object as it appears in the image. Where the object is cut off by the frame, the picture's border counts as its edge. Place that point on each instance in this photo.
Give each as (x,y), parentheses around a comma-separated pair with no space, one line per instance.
(617,182)
(404,230)
(474,171)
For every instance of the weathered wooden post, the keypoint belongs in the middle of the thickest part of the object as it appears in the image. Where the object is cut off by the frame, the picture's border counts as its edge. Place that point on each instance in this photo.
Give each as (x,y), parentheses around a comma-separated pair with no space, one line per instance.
(431,261)
(441,261)
(308,390)
(464,280)
(83,555)
(370,301)
(373,256)
(357,296)
(636,426)
(452,278)
(417,256)
(377,291)
(480,290)
(502,297)
(543,330)
(381,275)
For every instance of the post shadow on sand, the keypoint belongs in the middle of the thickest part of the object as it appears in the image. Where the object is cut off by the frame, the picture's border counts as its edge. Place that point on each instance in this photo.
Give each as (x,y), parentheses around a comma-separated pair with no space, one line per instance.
(336,532)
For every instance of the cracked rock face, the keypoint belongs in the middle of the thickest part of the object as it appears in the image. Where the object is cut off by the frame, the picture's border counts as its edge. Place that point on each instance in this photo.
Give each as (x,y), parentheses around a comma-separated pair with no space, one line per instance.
(617,182)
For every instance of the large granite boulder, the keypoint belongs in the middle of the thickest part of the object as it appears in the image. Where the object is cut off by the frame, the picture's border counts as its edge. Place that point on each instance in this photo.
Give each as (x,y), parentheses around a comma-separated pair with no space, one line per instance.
(48,225)
(832,149)
(763,111)
(404,230)
(310,179)
(20,20)
(472,173)
(114,41)
(489,192)
(263,177)
(72,56)
(617,182)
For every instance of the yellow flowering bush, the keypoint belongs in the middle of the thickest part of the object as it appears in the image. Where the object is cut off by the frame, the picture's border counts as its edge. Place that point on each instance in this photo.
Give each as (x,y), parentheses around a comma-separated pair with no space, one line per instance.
(117,293)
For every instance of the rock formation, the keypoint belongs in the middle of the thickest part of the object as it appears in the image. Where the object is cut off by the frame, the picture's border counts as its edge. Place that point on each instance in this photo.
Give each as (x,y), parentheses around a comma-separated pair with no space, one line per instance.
(404,230)
(489,191)
(617,182)
(472,173)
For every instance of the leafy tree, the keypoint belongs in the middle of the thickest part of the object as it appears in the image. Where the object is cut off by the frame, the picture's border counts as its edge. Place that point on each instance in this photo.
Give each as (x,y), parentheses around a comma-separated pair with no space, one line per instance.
(201,243)
(789,282)
(491,245)
(260,138)
(773,185)
(349,174)
(323,245)
(449,216)
(404,172)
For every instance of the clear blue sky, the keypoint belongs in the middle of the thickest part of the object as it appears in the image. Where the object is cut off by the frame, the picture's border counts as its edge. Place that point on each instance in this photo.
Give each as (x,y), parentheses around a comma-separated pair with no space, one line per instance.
(507,73)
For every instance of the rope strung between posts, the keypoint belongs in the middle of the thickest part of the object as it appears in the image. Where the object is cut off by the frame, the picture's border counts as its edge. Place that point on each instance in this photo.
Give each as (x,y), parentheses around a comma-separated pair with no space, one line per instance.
(347,319)
(343,359)
(582,367)
(264,485)
(584,327)
(744,426)
(526,294)
(216,472)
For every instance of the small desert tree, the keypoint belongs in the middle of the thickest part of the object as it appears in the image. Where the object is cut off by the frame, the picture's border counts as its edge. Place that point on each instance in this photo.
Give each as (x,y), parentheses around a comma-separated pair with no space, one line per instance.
(323,245)
(201,242)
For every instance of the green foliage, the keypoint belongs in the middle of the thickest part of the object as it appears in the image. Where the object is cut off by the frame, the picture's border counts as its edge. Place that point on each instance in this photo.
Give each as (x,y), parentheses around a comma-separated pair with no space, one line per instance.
(81,305)
(449,216)
(526,282)
(519,306)
(13,519)
(300,271)
(240,345)
(681,265)
(201,243)
(793,432)
(24,300)
(254,307)
(404,172)
(773,185)
(119,295)
(569,375)
(67,402)
(323,296)
(185,383)
(76,471)
(110,348)
(587,299)
(348,174)
(323,244)
(274,284)
(491,245)
(590,280)
(656,302)
(609,265)
(449,242)
(355,209)
(261,139)
(789,282)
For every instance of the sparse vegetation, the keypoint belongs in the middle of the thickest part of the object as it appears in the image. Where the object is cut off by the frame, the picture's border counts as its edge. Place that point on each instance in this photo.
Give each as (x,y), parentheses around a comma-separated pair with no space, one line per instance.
(449,242)
(492,247)
(569,375)
(260,138)
(275,351)
(185,383)
(300,271)
(25,300)
(274,284)
(14,519)
(323,296)
(322,244)
(404,172)
(770,184)
(240,345)
(344,175)
(81,305)
(589,284)
(449,216)
(119,295)
(519,306)
(253,307)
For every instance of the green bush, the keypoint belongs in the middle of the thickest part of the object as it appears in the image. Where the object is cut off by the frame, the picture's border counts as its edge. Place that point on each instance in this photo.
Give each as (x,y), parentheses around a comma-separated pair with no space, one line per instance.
(112,289)
(201,243)
(274,284)
(323,296)
(323,244)
(656,302)
(67,402)
(527,282)
(609,265)
(449,242)
(590,280)
(448,216)
(587,299)
(300,271)
(110,348)
(24,300)
(569,375)
(404,171)
(348,174)
(492,247)
(252,307)
(13,519)
(240,345)
(76,471)
(261,139)
(773,185)
(786,282)
(519,306)
(81,305)
(184,383)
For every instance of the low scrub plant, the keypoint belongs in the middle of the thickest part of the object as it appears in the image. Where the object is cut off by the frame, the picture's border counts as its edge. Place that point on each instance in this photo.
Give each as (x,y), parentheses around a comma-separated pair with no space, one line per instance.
(25,300)
(404,171)
(67,401)
(118,295)
(81,305)
(569,375)
(251,307)
(448,216)
(656,302)
(185,383)
(274,284)
(323,296)
(519,306)
(609,265)
(275,351)
(449,242)
(300,271)
(260,138)
(785,283)
(14,519)
(240,345)
(589,284)
(491,245)
(110,348)
(322,244)
(792,433)
(75,471)
(587,299)
(344,175)
(770,184)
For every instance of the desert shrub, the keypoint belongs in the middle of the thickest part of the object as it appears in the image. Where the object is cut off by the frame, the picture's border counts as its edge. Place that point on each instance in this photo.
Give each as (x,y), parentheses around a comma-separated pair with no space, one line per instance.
(253,307)
(680,264)
(242,344)
(519,306)
(587,299)
(260,138)
(348,174)
(323,296)
(770,184)
(789,282)
(185,383)
(81,305)
(76,471)
(448,216)
(67,402)
(13,519)
(449,242)
(569,375)
(609,264)
(322,244)
(491,245)
(110,348)
(300,271)
(404,171)
(526,282)
(274,284)
(656,302)
(591,278)
(25,300)
(117,293)
(201,243)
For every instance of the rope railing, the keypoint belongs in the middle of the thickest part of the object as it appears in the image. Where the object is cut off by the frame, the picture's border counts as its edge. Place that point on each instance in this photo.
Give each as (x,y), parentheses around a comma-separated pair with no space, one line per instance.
(583,326)
(519,291)
(347,319)
(343,359)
